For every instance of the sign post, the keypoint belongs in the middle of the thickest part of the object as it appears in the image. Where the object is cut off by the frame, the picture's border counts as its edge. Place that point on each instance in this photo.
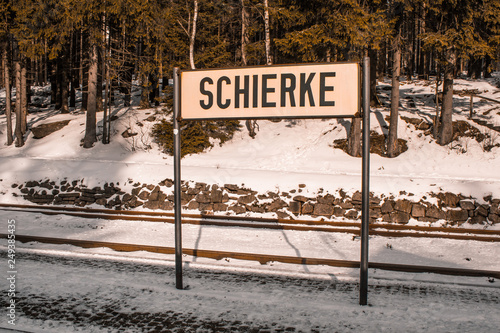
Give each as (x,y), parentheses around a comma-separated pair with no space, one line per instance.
(365,184)
(177,182)
(329,90)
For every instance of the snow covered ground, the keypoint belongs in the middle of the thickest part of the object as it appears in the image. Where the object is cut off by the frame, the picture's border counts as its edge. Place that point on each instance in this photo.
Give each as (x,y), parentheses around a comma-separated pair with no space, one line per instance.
(66,289)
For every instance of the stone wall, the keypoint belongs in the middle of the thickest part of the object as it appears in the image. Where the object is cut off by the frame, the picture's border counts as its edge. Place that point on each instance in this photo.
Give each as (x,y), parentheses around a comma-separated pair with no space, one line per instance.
(234,199)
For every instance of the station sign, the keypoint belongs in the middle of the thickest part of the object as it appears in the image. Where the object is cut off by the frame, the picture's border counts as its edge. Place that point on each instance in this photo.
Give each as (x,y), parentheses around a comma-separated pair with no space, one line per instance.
(296,91)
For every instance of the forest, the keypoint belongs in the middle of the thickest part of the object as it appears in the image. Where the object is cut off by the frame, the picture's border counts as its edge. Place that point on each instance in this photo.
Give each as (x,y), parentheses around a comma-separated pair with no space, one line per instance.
(103,47)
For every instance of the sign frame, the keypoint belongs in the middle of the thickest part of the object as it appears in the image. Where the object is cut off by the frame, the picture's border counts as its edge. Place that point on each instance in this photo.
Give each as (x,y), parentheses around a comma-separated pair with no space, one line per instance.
(270,68)
(363,112)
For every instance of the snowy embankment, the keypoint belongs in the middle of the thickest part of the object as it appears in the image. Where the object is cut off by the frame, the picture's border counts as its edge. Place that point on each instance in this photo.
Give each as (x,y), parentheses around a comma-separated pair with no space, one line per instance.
(66,289)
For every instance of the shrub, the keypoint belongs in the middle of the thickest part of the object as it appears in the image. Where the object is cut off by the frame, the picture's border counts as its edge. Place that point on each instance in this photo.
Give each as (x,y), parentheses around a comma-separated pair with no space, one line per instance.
(195,135)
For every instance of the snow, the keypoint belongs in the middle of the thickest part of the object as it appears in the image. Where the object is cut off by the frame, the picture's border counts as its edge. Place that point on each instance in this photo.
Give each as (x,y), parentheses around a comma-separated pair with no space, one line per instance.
(246,294)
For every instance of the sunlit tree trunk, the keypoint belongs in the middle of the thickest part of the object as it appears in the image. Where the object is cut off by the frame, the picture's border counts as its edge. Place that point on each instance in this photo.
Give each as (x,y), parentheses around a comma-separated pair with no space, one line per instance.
(269,60)
(445,135)
(392,142)
(193,35)
(91,123)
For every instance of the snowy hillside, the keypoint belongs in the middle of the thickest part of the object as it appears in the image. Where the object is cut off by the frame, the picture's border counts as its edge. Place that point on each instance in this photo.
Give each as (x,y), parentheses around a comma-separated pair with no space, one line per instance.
(282,155)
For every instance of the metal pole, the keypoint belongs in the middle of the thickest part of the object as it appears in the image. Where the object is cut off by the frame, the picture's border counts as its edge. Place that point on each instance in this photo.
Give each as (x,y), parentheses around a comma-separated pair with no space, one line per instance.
(177,182)
(365,184)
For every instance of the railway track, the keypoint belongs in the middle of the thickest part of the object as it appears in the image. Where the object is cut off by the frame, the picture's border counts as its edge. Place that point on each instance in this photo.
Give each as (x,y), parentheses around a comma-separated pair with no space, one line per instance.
(261,258)
(378,229)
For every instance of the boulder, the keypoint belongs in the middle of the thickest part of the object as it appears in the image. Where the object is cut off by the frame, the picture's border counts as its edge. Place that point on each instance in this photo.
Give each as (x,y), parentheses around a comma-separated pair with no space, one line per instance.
(467,204)
(246,199)
(403,206)
(457,215)
(307,208)
(435,213)
(387,207)
(322,209)
(418,210)
(400,217)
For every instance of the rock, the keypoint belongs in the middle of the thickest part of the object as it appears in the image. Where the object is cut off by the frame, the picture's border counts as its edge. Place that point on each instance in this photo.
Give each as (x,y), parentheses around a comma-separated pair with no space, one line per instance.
(220,207)
(494,218)
(435,213)
(246,199)
(403,206)
(216,195)
(144,195)
(302,185)
(126,197)
(338,211)
(300,198)
(400,217)
(167,182)
(458,215)
(134,202)
(166,205)
(375,213)
(202,198)
(418,210)
(193,191)
(128,133)
(238,209)
(152,204)
(194,205)
(275,205)
(449,199)
(482,210)
(206,207)
(477,219)
(101,202)
(295,207)
(307,208)
(467,204)
(351,214)
(231,187)
(357,198)
(282,215)
(43,130)
(322,209)
(387,207)
(327,199)
(257,209)
(495,209)
(346,205)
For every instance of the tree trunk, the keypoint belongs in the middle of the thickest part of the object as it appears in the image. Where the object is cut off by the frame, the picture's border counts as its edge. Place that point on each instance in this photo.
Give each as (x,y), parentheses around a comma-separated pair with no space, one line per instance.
(446,125)
(269,60)
(8,100)
(392,142)
(244,34)
(91,123)
(64,85)
(193,36)
(18,131)
(24,99)
(354,138)
(374,101)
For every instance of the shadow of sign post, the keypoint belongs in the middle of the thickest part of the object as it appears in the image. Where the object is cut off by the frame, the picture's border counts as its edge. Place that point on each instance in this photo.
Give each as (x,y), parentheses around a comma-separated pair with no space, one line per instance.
(325,90)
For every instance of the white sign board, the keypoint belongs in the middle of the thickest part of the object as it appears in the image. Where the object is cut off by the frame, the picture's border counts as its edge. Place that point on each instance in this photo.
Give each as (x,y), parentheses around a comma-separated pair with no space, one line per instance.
(297,91)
